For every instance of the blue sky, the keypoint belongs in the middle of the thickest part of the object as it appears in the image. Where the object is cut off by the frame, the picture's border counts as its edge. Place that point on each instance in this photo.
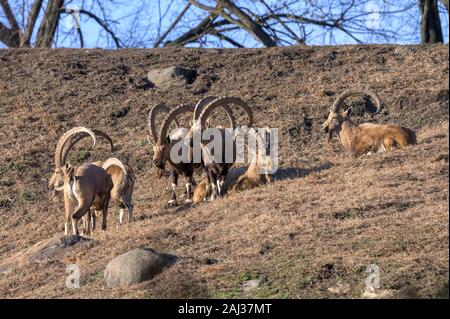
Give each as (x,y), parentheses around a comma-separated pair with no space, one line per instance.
(138,23)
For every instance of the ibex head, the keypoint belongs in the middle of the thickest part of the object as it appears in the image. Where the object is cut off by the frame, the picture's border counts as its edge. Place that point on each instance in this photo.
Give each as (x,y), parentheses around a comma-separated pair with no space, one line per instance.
(57,179)
(337,117)
(162,140)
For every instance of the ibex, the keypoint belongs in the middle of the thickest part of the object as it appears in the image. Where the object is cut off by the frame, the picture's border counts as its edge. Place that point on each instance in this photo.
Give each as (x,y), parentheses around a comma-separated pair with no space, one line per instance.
(163,144)
(85,186)
(122,175)
(365,138)
(256,174)
(216,169)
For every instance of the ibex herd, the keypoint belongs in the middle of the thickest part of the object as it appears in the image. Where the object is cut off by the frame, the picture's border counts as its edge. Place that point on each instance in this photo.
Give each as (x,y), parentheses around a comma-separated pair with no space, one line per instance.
(89,187)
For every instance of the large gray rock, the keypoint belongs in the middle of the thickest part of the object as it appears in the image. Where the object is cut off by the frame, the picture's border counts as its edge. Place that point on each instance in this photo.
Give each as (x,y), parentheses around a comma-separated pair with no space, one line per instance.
(167,76)
(41,252)
(135,266)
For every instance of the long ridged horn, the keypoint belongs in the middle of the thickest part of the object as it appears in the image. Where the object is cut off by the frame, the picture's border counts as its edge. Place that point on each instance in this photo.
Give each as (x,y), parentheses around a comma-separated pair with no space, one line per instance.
(341,98)
(114,162)
(222,102)
(158,108)
(204,102)
(80,136)
(62,141)
(183,108)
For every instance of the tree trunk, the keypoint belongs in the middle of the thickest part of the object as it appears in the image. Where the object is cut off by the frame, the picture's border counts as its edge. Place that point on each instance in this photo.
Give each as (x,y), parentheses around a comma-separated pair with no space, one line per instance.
(430,25)
(47,29)
(9,37)
(32,17)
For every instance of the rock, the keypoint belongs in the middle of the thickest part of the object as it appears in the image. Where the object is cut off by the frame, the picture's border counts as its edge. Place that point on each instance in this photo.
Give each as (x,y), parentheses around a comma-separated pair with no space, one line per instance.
(136,266)
(250,285)
(340,289)
(41,252)
(167,76)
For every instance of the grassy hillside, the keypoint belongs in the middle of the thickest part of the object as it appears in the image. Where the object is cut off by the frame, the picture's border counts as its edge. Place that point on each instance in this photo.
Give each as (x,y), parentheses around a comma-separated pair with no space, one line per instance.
(324,220)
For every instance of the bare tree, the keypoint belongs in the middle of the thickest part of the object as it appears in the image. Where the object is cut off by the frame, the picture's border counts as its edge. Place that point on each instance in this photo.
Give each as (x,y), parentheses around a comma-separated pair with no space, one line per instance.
(221,23)
(273,23)
(46,16)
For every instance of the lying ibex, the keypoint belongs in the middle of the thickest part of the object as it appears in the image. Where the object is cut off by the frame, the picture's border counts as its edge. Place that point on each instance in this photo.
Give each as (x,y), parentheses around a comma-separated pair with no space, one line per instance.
(256,174)
(163,144)
(365,138)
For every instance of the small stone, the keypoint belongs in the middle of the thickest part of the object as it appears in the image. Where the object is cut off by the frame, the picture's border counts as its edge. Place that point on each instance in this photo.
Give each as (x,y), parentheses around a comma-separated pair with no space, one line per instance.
(136,266)
(165,77)
(250,285)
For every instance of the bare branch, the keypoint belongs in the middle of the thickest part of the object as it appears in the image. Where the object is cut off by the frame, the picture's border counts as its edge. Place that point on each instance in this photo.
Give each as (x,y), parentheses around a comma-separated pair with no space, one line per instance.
(170,28)
(104,25)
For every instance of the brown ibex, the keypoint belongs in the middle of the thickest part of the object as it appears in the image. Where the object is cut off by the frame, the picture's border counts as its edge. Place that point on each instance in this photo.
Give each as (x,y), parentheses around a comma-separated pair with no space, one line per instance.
(365,138)
(256,174)
(216,169)
(163,144)
(85,186)
(122,175)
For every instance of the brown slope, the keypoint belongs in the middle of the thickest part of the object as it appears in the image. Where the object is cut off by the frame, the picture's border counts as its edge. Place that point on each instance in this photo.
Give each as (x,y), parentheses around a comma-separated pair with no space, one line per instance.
(390,209)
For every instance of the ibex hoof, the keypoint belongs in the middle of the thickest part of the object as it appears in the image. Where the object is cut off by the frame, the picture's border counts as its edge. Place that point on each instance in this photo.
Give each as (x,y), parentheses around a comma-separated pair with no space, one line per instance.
(188,201)
(172,203)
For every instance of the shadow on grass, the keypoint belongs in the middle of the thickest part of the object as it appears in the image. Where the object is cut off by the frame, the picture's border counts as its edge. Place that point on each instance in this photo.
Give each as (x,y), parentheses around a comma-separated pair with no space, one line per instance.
(292,173)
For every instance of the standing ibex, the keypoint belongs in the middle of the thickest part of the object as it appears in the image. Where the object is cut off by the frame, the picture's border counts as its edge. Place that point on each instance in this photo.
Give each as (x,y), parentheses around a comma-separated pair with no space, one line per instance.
(256,174)
(122,175)
(216,169)
(365,138)
(85,186)
(163,144)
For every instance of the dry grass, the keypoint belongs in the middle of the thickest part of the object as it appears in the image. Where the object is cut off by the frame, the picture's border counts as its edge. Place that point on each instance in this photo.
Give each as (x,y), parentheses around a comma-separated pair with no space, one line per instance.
(320,227)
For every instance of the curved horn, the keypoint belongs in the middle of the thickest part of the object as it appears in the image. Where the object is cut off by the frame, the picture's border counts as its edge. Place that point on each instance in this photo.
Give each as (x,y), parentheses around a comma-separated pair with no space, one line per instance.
(183,108)
(80,136)
(204,102)
(158,108)
(201,105)
(114,162)
(62,141)
(223,102)
(341,98)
